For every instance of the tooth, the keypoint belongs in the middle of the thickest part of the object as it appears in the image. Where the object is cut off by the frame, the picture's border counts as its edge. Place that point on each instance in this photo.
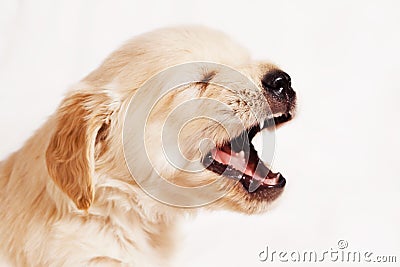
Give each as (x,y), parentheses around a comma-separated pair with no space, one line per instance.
(254,184)
(261,124)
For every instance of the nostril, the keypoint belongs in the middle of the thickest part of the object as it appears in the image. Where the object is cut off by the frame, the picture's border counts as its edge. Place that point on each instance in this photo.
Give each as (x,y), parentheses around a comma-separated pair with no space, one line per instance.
(277,82)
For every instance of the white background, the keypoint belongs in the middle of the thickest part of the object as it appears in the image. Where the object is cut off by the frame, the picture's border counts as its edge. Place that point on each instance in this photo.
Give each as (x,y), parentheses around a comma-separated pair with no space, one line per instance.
(340,155)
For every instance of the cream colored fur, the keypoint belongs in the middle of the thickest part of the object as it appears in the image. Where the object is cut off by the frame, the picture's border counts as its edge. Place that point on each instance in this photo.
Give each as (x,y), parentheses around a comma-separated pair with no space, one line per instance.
(67,197)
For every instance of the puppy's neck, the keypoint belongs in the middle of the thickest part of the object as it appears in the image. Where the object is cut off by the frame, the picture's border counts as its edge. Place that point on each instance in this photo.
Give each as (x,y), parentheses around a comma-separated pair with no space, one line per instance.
(137,215)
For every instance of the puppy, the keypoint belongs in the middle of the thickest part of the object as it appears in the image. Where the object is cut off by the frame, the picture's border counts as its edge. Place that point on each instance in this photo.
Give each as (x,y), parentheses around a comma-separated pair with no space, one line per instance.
(163,126)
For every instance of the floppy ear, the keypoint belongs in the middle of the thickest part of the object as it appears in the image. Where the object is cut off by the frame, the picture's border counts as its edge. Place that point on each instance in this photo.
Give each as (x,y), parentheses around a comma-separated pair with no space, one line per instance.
(82,120)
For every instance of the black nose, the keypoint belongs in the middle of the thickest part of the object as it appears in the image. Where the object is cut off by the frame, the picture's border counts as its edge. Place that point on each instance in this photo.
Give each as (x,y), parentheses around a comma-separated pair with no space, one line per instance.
(278,83)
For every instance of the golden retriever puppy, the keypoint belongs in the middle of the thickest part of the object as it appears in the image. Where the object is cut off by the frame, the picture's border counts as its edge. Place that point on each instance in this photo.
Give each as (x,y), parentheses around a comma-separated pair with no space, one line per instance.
(162,127)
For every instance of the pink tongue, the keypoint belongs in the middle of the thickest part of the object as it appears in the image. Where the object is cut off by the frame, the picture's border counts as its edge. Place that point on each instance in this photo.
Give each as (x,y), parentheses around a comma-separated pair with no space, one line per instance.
(237,161)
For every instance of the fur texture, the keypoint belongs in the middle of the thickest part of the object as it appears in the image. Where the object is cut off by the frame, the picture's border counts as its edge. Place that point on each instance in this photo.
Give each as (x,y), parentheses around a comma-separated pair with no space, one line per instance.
(67,197)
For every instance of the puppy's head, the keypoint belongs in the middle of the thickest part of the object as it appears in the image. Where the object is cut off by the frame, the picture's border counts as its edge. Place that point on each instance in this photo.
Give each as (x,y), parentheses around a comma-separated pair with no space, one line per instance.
(190,103)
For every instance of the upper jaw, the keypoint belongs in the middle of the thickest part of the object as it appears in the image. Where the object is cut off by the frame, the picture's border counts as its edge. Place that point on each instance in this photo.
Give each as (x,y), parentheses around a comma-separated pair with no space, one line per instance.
(277,119)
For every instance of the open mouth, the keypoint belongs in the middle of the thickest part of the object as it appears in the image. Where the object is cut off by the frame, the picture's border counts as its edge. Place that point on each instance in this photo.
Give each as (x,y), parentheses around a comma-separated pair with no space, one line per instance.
(239,160)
